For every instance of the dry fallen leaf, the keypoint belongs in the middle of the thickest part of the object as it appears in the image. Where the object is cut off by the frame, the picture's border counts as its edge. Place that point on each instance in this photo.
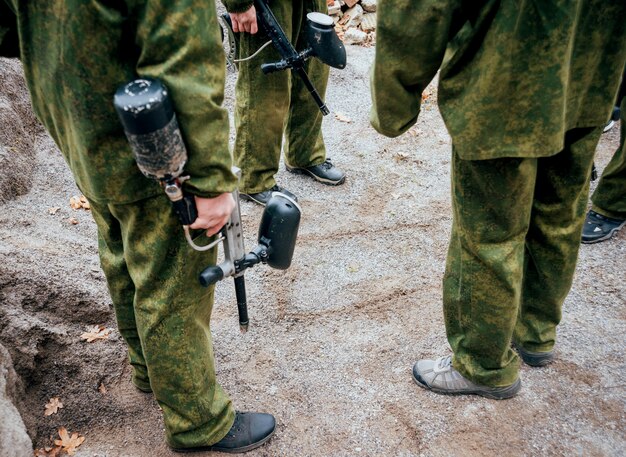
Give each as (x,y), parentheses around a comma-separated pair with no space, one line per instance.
(95,332)
(75,202)
(79,203)
(53,406)
(48,451)
(400,156)
(53,210)
(69,444)
(102,388)
(343,118)
(73,221)
(84,203)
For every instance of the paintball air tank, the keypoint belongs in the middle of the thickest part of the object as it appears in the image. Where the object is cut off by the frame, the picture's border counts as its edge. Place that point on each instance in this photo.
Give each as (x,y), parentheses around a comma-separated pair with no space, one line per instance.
(323,43)
(147,115)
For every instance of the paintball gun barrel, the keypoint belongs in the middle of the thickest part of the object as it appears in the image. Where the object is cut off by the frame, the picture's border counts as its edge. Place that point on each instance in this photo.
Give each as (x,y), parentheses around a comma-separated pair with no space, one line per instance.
(323,43)
(147,115)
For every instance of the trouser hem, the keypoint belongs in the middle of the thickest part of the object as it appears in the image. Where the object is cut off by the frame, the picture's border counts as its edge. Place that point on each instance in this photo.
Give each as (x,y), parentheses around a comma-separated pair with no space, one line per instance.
(611,214)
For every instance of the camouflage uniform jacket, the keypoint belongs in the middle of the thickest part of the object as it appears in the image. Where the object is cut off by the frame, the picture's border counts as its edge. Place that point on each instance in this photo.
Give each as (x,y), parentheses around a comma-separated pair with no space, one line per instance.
(237,6)
(508,85)
(76,53)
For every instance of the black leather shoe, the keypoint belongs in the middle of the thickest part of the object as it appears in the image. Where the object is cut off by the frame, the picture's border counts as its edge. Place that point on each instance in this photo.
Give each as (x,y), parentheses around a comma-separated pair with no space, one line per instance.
(534,359)
(326,173)
(250,431)
(263,197)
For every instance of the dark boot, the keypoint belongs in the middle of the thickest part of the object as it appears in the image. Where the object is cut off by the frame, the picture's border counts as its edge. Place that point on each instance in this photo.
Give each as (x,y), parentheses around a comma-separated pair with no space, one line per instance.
(249,431)
(534,359)
(326,173)
(263,197)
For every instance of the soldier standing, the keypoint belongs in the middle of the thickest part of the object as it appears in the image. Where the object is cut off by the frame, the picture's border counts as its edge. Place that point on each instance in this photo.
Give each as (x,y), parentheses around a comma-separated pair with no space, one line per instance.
(525,89)
(608,212)
(270,106)
(75,54)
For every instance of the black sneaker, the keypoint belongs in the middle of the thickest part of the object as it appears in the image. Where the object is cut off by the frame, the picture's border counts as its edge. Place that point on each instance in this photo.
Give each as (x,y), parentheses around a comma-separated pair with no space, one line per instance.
(599,228)
(534,359)
(263,197)
(249,431)
(326,173)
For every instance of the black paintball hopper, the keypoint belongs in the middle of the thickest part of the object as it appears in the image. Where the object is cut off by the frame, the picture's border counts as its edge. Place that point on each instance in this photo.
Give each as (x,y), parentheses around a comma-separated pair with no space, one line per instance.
(324,42)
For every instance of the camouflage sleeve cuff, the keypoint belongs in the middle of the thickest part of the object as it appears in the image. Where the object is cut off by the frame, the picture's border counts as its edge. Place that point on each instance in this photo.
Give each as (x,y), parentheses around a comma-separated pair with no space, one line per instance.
(237,6)
(219,182)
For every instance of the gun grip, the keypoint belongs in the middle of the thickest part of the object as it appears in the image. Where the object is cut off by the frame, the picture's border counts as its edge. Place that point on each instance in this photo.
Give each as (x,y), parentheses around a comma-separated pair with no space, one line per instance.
(268,68)
(185,209)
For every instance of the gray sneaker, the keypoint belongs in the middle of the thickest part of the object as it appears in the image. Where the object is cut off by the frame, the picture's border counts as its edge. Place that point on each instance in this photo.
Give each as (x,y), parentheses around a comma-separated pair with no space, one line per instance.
(439,376)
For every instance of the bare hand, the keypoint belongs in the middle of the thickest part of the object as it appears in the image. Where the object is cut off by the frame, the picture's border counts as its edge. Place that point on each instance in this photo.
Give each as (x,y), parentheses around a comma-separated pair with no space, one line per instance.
(213,213)
(245,22)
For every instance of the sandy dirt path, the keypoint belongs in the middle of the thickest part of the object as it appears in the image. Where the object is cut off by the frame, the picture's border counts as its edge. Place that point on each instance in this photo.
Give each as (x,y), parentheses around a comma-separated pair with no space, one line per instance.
(333,339)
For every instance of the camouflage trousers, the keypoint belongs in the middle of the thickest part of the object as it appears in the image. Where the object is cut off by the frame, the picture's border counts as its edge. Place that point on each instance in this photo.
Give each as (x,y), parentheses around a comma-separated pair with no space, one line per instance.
(163,315)
(270,106)
(609,198)
(516,231)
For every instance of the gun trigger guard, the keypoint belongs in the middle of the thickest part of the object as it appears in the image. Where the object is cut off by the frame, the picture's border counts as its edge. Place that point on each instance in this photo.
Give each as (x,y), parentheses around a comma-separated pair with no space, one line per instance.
(201,248)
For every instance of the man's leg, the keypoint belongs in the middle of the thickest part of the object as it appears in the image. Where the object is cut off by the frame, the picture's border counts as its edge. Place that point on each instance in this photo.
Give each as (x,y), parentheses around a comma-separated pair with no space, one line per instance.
(172,312)
(121,288)
(304,146)
(553,239)
(609,198)
(262,103)
(492,201)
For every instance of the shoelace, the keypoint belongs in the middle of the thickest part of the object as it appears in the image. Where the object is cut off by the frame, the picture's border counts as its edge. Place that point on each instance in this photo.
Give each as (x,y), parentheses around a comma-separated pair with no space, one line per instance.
(327,164)
(443,364)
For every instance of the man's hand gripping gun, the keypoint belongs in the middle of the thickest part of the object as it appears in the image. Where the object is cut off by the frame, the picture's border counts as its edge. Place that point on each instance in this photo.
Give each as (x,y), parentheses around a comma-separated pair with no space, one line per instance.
(149,122)
(322,40)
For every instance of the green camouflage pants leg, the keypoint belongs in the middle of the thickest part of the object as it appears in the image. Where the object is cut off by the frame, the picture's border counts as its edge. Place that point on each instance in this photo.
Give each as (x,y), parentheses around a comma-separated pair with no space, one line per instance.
(270,106)
(163,314)
(513,250)
(609,198)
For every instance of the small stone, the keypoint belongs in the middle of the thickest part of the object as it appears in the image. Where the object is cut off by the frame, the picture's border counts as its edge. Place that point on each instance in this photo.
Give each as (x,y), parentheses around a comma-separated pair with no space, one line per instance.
(369,5)
(352,17)
(354,36)
(368,23)
(334,8)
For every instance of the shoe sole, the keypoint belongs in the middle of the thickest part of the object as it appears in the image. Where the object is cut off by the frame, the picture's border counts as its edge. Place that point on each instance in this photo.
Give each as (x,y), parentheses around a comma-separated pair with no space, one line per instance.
(500,394)
(304,171)
(251,199)
(239,450)
(605,237)
(608,126)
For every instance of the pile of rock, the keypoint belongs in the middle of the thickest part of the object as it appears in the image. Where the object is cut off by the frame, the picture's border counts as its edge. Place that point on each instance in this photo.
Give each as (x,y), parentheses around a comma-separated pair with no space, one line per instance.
(355,20)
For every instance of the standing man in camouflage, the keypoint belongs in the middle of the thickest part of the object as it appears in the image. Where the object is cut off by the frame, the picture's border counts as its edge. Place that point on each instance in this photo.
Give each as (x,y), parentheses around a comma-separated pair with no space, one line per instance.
(75,54)
(270,106)
(525,89)
(608,212)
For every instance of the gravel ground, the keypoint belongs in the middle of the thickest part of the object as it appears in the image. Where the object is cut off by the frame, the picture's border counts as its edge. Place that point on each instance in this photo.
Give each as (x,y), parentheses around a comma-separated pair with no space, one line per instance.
(333,339)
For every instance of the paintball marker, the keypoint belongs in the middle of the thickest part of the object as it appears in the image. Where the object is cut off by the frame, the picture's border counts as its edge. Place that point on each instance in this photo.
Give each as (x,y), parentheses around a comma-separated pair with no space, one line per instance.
(322,40)
(149,121)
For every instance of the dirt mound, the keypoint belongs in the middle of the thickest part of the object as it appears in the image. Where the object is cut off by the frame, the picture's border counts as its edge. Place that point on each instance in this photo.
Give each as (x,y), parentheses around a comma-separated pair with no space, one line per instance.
(15,442)
(19,128)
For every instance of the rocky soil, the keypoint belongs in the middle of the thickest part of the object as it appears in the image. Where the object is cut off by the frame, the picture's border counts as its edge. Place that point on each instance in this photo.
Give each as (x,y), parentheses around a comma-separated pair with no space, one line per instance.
(333,339)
